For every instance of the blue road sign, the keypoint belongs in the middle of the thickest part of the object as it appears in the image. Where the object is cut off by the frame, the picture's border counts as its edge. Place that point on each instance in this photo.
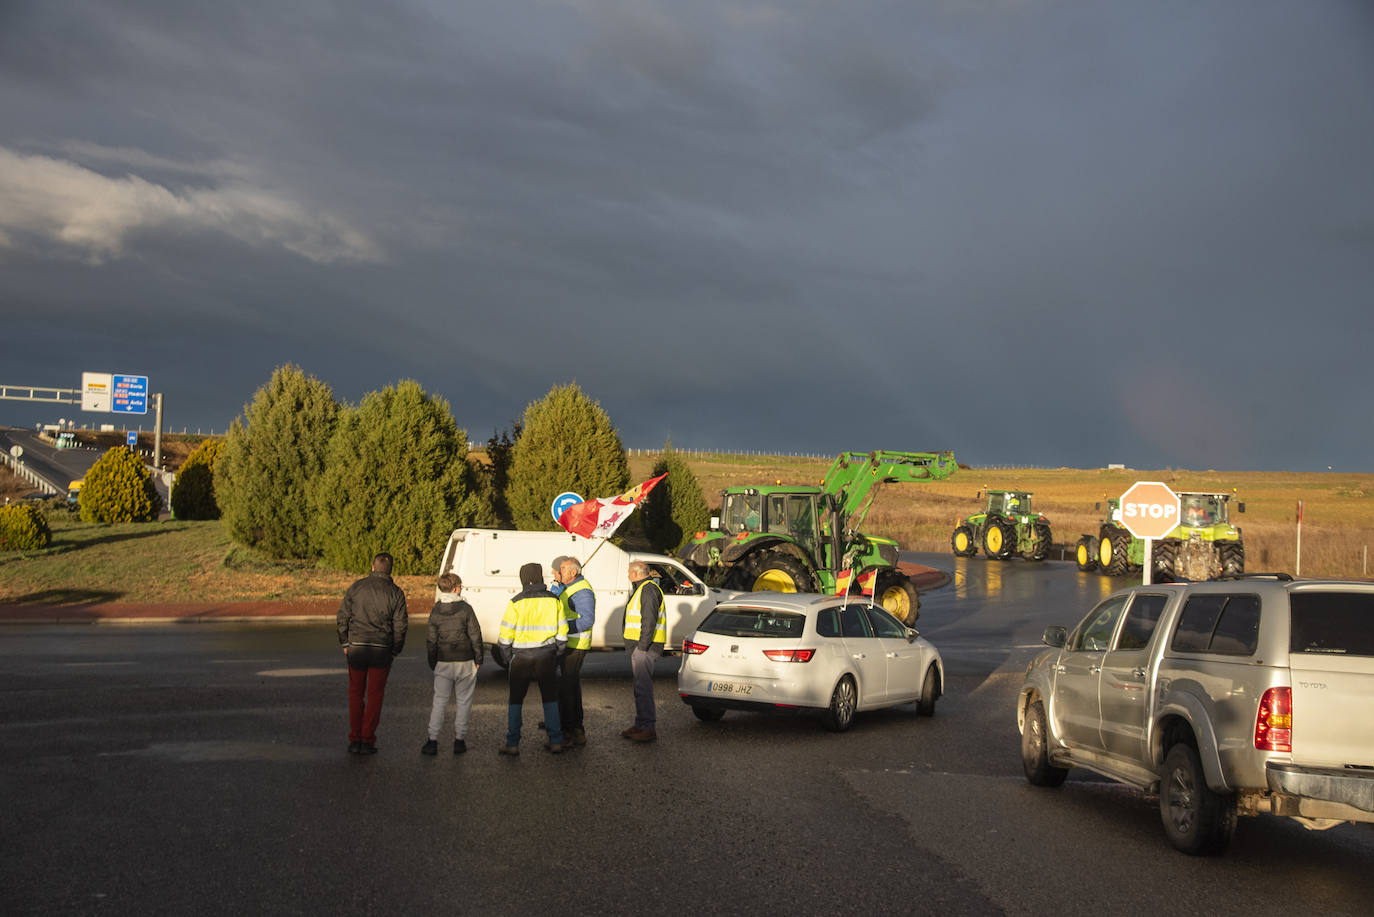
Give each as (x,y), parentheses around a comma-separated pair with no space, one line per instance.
(131,437)
(563,501)
(129,395)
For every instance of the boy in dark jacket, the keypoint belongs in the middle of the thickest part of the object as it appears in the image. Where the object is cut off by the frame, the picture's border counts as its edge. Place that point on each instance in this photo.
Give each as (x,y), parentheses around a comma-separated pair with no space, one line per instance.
(454,642)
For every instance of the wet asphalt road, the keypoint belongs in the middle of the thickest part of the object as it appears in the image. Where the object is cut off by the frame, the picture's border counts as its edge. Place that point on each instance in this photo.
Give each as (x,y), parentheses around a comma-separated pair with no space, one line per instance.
(202,767)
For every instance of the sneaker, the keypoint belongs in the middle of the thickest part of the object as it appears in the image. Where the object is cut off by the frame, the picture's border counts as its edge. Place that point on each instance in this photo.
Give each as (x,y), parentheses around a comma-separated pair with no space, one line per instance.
(367,748)
(354,747)
(430,748)
(459,746)
(644,735)
(509,750)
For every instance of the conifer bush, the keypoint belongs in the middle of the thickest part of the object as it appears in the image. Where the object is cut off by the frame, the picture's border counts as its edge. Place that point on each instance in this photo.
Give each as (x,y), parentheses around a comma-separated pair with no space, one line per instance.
(270,456)
(396,479)
(193,491)
(566,442)
(675,509)
(23,527)
(118,488)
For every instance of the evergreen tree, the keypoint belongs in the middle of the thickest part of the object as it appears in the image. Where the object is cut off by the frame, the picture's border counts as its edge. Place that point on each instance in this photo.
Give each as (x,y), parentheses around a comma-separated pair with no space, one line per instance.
(566,443)
(494,477)
(675,509)
(118,488)
(269,458)
(396,479)
(193,491)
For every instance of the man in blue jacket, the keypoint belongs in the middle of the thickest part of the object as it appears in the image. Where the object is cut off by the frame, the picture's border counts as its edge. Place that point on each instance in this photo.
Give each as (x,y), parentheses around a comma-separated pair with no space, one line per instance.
(579,607)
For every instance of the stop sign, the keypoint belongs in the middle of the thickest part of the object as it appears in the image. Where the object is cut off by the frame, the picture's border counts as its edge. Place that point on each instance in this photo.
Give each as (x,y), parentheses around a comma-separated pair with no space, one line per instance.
(1149,509)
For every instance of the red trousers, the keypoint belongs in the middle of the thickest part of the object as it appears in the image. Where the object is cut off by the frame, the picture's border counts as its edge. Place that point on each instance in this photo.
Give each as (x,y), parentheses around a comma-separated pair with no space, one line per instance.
(366,685)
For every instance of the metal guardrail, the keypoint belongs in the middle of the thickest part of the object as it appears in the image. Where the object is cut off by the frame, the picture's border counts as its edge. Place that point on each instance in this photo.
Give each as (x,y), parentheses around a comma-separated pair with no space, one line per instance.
(28,474)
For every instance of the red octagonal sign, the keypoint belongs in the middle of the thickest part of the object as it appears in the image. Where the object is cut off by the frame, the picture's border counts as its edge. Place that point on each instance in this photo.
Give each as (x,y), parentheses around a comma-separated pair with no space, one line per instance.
(1149,509)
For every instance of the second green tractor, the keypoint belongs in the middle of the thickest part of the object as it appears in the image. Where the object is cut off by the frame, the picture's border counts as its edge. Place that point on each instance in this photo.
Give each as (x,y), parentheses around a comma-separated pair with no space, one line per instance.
(1008,527)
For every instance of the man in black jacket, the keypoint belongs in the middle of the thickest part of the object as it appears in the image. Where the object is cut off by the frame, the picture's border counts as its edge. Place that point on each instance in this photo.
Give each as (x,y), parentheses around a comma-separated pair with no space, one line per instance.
(372,629)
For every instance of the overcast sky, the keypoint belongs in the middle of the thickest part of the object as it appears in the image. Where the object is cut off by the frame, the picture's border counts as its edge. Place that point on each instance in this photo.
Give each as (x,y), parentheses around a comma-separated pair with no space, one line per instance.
(1036,232)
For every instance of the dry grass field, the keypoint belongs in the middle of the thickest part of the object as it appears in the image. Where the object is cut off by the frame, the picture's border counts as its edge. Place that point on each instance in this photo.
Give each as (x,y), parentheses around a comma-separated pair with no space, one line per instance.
(1338,519)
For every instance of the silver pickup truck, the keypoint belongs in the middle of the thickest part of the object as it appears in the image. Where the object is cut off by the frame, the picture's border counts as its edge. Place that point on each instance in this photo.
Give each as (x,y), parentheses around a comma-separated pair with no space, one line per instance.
(1248,696)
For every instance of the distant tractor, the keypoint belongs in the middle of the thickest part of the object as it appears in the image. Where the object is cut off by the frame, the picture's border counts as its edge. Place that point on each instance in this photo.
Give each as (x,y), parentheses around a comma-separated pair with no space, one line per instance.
(1007,527)
(805,539)
(1204,546)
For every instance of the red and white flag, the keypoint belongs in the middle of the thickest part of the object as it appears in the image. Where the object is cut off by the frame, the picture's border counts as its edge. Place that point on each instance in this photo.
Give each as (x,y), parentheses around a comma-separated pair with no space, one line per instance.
(599,517)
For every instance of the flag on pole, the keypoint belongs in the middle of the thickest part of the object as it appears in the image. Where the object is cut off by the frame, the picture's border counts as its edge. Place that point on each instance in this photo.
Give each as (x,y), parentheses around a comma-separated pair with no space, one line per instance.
(599,517)
(867,580)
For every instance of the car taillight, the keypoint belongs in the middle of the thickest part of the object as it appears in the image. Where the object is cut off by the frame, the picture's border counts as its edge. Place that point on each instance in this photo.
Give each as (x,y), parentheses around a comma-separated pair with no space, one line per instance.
(693,649)
(789,655)
(1274,722)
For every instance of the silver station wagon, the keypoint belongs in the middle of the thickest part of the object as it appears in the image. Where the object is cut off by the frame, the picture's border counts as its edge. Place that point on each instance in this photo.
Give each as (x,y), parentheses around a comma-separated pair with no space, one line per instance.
(800,653)
(1246,696)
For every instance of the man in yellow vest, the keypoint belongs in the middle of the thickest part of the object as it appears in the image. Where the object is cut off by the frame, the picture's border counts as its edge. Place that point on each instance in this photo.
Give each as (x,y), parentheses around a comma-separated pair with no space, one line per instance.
(579,607)
(646,630)
(533,635)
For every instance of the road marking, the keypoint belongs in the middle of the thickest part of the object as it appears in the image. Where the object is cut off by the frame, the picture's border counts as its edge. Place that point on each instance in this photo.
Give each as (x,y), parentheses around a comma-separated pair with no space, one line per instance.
(301,673)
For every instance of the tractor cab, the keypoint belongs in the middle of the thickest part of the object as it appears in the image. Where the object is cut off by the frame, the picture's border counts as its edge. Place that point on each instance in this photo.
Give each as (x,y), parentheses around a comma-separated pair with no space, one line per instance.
(1201,511)
(1009,503)
(741,511)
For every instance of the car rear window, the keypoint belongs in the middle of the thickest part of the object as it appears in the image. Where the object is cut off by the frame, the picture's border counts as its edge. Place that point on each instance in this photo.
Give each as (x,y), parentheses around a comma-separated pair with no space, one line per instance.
(1332,623)
(1218,623)
(753,622)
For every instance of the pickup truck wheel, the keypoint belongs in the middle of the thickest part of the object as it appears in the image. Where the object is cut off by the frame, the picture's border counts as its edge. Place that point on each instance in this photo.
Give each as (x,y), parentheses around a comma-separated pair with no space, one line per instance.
(930,693)
(1086,553)
(707,714)
(840,714)
(1196,820)
(1035,759)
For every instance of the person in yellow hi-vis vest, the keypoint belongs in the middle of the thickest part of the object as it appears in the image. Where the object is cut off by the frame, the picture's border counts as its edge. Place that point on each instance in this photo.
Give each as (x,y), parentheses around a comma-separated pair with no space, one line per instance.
(533,635)
(579,607)
(646,630)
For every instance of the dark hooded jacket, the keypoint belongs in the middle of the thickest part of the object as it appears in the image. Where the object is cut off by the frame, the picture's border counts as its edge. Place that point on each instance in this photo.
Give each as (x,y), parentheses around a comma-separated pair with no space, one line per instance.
(454,634)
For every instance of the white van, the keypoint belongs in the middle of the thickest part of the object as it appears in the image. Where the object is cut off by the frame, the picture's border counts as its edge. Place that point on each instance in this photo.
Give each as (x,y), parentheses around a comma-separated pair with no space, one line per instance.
(489,561)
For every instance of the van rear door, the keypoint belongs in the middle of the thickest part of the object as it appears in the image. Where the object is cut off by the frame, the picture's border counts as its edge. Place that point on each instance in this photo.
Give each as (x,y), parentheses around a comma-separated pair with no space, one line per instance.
(1331,655)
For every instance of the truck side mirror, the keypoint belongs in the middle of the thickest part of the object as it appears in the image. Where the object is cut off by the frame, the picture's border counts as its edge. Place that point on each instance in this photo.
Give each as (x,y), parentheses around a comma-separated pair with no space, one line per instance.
(978,496)
(1097,507)
(1240,507)
(1055,636)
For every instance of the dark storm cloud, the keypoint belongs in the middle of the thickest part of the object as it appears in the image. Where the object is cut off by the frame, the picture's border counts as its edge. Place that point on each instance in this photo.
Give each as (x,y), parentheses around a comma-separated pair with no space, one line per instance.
(1036,232)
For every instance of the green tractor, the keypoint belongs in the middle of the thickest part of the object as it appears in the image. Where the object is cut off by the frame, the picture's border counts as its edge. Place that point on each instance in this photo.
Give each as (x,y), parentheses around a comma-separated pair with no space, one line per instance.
(1204,546)
(806,539)
(1006,528)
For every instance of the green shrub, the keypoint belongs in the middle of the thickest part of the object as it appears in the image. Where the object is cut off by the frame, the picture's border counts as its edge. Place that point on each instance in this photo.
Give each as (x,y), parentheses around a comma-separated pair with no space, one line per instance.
(396,479)
(23,527)
(675,509)
(193,491)
(566,443)
(118,488)
(262,475)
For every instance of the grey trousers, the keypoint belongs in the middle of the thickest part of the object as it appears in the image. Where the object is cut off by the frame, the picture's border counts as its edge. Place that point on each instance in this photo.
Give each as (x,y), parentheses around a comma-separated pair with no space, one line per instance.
(642,668)
(456,680)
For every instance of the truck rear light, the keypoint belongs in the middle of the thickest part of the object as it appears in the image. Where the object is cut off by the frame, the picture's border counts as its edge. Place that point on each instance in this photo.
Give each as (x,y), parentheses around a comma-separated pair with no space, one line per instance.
(789,655)
(1274,722)
(693,649)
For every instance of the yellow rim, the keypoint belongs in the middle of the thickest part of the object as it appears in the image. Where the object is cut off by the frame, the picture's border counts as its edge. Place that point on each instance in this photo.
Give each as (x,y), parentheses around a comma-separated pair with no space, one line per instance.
(896,602)
(1104,552)
(961,541)
(1082,554)
(775,581)
(994,539)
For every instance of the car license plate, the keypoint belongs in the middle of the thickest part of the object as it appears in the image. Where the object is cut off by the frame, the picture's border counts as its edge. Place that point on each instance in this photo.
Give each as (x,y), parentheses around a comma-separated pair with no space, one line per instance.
(729,687)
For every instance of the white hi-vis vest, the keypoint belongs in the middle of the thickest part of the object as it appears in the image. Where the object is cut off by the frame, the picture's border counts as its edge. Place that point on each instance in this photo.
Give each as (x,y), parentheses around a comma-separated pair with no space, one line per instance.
(582,641)
(633,619)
